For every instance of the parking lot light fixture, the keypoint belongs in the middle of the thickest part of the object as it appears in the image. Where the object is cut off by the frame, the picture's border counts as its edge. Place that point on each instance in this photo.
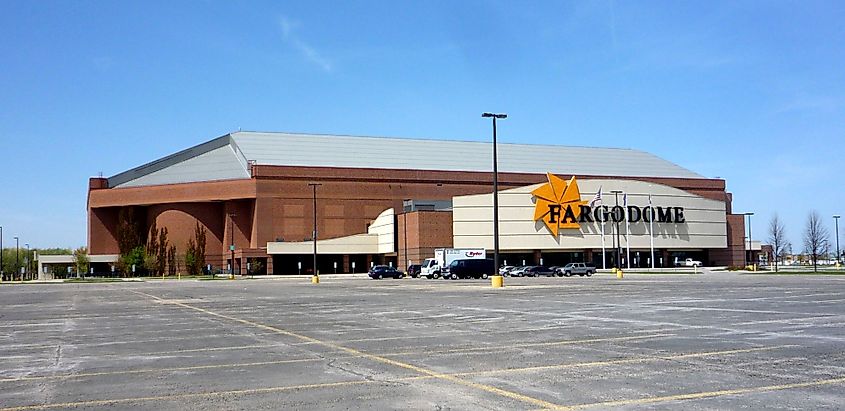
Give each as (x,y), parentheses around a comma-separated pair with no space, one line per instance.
(314,236)
(836,223)
(17,257)
(750,251)
(495,116)
(26,269)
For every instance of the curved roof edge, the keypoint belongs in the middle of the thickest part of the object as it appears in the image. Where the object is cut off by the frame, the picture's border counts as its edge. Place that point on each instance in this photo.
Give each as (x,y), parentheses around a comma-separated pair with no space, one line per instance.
(201,162)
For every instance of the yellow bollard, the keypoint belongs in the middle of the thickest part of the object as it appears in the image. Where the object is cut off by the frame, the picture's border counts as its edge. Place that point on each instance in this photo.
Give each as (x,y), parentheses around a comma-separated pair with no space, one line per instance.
(613,270)
(497,281)
(315,279)
(619,273)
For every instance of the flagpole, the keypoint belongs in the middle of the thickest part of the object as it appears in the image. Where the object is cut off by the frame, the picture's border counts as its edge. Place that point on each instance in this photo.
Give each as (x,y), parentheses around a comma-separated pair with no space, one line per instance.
(627,235)
(651,229)
(603,255)
(597,200)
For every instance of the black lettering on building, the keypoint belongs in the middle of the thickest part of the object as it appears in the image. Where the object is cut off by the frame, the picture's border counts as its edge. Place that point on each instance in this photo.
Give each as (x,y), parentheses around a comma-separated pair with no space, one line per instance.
(664,215)
(569,216)
(634,214)
(648,214)
(600,213)
(679,215)
(554,213)
(586,217)
(618,214)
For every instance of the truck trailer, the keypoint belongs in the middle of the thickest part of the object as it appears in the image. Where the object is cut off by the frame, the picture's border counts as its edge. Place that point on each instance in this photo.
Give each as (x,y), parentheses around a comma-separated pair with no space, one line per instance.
(436,267)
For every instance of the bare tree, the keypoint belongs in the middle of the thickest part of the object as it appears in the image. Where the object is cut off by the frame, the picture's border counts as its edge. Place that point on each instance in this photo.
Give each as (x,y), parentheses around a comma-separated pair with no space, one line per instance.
(815,237)
(777,238)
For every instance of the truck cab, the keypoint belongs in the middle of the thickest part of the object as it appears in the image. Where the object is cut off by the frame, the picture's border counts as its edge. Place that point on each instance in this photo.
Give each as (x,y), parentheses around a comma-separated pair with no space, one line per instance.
(430,268)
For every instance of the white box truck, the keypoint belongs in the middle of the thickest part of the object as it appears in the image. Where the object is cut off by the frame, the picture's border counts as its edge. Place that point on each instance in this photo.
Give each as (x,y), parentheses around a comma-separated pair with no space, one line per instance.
(435,267)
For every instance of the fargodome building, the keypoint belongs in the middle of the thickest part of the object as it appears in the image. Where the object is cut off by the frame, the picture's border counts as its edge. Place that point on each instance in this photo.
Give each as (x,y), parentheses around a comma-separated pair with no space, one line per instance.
(394,200)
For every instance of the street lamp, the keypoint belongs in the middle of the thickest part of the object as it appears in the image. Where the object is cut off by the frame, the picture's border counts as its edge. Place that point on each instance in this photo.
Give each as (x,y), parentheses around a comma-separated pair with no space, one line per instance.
(405,230)
(26,259)
(314,236)
(495,192)
(836,223)
(618,238)
(17,257)
(232,245)
(750,251)
(2,272)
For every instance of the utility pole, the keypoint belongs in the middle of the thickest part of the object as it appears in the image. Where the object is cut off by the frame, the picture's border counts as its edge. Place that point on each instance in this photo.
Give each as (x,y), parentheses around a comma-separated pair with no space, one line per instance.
(314,236)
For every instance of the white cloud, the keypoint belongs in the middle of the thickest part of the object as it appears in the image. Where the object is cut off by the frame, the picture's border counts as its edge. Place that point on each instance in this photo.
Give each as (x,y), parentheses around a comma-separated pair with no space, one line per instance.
(289,28)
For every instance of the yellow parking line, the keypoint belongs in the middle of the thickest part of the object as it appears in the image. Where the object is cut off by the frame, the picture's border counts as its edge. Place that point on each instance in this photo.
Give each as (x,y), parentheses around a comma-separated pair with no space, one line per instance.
(541,344)
(420,370)
(153,370)
(405,379)
(632,360)
(192,350)
(462,374)
(706,394)
(93,403)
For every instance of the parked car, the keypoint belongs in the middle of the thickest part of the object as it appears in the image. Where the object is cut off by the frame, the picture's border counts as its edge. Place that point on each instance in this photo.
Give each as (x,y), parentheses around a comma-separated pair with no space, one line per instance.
(505,269)
(538,270)
(471,269)
(381,271)
(414,270)
(689,262)
(579,269)
(518,271)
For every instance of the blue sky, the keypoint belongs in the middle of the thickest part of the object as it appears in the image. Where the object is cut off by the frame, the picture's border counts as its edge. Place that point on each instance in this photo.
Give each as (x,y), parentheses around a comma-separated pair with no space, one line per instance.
(752,92)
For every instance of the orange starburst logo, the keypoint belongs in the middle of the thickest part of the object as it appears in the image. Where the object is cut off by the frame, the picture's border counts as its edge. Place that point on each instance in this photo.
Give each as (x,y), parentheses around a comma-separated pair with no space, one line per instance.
(558,203)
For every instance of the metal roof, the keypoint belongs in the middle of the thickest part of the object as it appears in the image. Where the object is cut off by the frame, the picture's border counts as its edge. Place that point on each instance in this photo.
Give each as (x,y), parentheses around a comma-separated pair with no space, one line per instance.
(227,157)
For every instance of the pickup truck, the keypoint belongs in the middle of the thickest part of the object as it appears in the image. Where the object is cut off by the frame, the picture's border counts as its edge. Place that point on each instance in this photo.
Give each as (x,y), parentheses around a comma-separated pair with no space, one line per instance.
(689,262)
(577,268)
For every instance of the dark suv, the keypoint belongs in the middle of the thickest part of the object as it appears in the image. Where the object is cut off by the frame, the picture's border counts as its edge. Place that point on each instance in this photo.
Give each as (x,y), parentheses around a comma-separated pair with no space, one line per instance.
(414,270)
(380,271)
(470,269)
(538,270)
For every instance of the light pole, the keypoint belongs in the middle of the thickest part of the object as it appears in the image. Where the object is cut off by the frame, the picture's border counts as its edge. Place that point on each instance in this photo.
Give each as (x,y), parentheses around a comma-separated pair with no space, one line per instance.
(405,230)
(17,257)
(232,245)
(836,223)
(618,238)
(495,192)
(26,259)
(750,252)
(314,236)
(2,272)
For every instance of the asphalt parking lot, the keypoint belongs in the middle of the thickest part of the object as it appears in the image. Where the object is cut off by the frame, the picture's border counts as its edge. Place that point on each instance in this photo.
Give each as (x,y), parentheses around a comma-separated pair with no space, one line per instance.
(719,341)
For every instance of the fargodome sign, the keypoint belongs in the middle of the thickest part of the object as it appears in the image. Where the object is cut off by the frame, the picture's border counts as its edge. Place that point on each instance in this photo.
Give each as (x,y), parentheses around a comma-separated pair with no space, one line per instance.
(558,204)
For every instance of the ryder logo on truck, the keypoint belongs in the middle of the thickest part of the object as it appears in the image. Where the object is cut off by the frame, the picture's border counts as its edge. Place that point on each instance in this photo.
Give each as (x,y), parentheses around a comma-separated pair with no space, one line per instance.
(471,254)
(558,204)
